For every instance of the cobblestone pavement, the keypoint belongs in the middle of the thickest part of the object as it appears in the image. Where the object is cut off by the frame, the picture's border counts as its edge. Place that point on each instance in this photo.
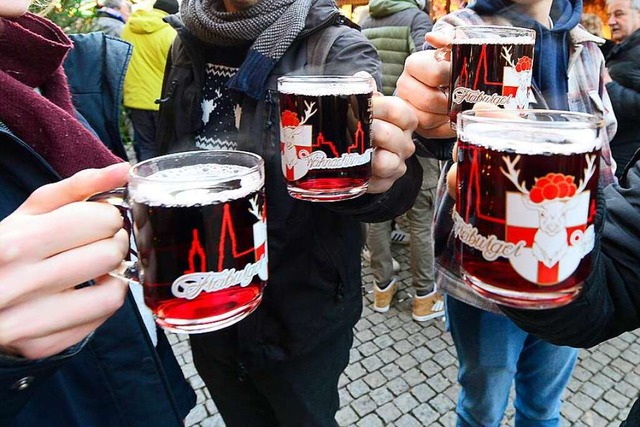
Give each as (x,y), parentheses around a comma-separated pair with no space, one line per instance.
(403,373)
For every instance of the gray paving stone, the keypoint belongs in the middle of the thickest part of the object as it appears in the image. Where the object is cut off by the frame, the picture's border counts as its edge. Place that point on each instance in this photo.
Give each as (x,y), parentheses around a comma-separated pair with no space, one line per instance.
(355,371)
(346,416)
(381,395)
(421,354)
(430,368)
(391,371)
(606,410)
(441,403)
(399,334)
(426,414)
(404,346)
(406,362)
(384,341)
(413,377)
(370,420)
(398,386)
(345,397)
(570,411)
(368,348)
(215,421)
(375,379)
(405,402)
(388,413)
(372,363)
(365,335)
(616,399)
(196,415)
(388,355)
(358,388)
(422,392)
(407,421)
(582,401)
(364,405)
(592,390)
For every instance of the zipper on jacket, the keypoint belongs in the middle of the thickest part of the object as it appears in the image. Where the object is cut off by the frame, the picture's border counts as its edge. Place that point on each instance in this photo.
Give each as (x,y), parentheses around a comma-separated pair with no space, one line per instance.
(268,100)
(172,89)
(336,19)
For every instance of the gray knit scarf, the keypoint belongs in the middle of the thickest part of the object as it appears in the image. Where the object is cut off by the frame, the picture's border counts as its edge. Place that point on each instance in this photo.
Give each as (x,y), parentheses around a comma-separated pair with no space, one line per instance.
(271,25)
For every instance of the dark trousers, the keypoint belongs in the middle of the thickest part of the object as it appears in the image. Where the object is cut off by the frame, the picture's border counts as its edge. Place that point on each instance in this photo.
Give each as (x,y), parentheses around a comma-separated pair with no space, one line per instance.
(145,123)
(302,392)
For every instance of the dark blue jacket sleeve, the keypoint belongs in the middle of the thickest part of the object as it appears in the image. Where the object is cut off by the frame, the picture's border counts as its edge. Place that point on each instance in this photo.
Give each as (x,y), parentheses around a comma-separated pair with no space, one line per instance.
(20,378)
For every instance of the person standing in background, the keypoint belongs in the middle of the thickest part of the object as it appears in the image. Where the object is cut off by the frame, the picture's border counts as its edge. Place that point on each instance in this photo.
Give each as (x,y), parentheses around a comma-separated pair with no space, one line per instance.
(112,16)
(623,64)
(151,38)
(397,28)
(493,352)
(592,23)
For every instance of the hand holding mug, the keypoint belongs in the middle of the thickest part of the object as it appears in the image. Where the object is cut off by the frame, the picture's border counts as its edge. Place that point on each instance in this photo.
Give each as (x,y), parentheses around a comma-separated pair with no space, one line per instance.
(393,124)
(423,84)
(53,242)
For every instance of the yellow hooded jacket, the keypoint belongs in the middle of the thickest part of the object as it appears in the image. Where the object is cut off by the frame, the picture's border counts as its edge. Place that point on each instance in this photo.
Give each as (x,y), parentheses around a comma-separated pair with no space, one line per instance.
(151,38)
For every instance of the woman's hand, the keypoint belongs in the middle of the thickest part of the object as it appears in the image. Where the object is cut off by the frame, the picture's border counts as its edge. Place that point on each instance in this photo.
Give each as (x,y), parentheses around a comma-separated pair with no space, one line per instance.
(53,242)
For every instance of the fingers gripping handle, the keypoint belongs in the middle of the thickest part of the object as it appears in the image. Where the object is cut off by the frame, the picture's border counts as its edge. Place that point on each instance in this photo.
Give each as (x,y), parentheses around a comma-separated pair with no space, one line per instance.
(127,270)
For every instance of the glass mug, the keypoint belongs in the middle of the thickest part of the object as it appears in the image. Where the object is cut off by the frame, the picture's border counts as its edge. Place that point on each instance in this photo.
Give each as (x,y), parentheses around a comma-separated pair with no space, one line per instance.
(526,201)
(325,136)
(199,223)
(490,64)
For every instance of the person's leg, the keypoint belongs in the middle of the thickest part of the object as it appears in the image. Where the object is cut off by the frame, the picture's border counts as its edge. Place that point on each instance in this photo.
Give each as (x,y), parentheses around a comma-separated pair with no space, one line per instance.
(380,250)
(304,391)
(239,402)
(543,373)
(384,286)
(420,218)
(488,346)
(144,126)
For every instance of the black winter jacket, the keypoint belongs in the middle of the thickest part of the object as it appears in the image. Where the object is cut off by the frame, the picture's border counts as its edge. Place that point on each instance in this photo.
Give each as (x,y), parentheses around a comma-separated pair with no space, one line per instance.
(115,378)
(623,63)
(314,287)
(610,303)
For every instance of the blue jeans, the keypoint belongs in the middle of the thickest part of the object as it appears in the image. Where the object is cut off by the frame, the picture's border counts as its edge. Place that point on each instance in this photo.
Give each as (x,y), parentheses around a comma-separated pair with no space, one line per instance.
(492,353)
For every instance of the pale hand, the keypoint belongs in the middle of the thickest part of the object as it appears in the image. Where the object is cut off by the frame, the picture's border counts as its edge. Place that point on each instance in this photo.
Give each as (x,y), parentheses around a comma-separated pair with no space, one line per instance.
(53,242)
(424,85)
(393,125)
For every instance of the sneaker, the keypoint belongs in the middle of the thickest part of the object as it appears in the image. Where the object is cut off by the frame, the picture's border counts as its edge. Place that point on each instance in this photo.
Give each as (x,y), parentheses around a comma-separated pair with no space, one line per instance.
(427,307)
(366,255)
(399,236)
(382,298)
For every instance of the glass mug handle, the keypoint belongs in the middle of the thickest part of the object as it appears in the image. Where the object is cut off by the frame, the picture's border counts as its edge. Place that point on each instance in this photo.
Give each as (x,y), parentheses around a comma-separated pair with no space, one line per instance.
(127,270)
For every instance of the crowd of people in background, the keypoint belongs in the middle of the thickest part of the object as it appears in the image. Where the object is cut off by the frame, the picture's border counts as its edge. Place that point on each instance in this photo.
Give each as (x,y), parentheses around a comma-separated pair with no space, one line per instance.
(78,347)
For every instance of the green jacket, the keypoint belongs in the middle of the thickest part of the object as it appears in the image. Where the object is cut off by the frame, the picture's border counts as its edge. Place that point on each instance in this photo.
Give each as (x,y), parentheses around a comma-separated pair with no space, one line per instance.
(396,29)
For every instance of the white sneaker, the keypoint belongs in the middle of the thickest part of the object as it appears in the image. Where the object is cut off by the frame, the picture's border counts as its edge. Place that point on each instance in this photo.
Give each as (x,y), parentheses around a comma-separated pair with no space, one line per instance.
(366,255)
(399,236)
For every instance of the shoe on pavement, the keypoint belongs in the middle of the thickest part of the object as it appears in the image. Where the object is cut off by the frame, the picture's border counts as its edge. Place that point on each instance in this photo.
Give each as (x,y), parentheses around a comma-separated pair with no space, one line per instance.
(366,255)
(382,298)
(427,307)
